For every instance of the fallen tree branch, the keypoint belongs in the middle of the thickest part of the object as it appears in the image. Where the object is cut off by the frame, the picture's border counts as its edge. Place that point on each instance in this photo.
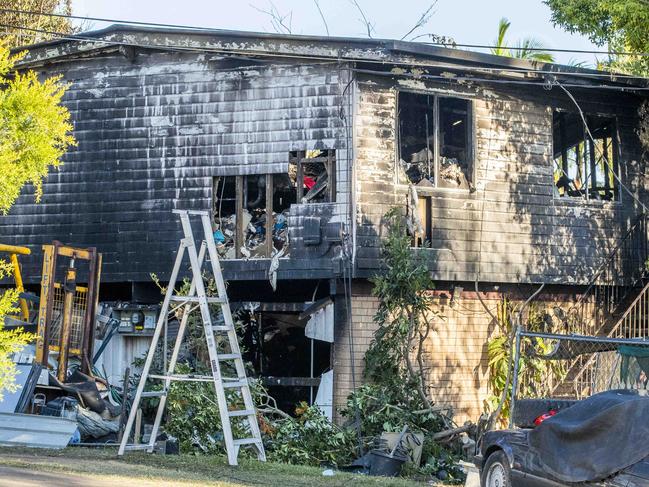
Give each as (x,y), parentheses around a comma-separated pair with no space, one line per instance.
(453,431)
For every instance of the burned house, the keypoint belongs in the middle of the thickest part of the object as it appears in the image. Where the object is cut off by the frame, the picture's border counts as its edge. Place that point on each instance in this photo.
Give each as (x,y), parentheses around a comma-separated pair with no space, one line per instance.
(299,146)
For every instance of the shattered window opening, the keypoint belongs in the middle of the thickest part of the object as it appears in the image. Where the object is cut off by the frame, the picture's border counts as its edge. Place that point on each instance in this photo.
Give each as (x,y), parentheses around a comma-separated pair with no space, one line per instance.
(314,175)
(435,141)
(583,169)
(224,205)
(244,207)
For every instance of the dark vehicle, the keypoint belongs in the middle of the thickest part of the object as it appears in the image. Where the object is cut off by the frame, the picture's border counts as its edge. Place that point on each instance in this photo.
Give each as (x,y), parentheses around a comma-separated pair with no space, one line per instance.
(601,440)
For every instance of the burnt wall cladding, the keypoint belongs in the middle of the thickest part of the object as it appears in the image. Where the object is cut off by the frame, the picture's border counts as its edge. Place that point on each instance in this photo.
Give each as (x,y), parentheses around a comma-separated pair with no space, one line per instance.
(151,135)
(512,228)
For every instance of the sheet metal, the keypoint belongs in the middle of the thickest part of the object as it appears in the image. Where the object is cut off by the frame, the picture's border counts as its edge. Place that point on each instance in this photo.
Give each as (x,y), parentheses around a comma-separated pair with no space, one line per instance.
(35,431)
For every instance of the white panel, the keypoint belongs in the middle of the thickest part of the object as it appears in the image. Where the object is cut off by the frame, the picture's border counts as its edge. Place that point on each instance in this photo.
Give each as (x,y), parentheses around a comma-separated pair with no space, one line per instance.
(324,399)
(321,324)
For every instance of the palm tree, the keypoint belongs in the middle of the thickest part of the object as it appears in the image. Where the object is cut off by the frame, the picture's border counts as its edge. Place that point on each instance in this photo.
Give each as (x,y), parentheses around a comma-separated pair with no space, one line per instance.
(527,48)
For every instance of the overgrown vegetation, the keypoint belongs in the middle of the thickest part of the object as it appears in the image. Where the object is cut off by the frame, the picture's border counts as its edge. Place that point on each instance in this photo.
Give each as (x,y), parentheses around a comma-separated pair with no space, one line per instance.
(396,393)
(533,371)
(395,358)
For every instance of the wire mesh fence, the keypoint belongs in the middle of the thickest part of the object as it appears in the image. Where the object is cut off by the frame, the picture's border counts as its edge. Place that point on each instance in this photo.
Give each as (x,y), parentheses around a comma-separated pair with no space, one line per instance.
(578,366)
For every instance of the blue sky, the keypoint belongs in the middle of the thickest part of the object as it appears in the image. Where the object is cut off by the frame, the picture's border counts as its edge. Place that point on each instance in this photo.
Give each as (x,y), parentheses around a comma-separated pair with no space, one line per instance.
(467,21)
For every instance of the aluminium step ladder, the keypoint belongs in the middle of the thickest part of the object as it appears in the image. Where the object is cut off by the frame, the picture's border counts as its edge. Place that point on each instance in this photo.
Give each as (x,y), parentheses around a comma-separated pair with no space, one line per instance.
(197,298)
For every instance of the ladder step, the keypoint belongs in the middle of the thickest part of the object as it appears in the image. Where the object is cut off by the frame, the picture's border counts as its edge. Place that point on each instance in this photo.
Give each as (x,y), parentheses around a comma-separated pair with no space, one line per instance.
(246,441)
(221,328)
(154,393)
(243,412)
(136,447)
(235,384)
(229,356)
(195,299)
(184,377)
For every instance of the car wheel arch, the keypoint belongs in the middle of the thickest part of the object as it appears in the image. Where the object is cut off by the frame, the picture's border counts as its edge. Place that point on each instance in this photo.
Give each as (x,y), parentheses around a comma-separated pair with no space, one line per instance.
(506,449)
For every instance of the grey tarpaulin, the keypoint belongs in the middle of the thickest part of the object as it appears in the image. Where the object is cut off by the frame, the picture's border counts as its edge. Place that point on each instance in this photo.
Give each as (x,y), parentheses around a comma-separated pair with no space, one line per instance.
(593,439)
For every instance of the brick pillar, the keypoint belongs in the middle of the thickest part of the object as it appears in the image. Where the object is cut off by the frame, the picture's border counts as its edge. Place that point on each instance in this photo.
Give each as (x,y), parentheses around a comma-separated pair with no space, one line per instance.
(362,327)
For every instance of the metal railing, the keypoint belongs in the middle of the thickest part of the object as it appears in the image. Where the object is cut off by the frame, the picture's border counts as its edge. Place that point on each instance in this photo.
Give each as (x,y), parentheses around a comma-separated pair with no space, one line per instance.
(614,284)
(614,305)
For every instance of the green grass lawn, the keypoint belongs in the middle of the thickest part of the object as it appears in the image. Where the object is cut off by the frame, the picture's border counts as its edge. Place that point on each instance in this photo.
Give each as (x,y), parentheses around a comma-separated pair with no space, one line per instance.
(184,470)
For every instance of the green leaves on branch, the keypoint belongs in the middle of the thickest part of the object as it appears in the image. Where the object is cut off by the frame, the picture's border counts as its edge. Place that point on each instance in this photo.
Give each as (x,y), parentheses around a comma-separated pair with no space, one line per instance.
(405,313)
(527,48)
(620,25)
(34,129)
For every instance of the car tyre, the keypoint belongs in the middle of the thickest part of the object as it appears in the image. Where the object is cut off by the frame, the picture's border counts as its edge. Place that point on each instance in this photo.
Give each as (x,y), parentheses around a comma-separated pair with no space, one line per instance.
(496,471)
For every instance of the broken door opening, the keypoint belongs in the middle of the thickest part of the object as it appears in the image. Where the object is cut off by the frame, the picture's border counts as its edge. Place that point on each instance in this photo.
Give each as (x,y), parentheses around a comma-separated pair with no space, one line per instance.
(288,363)
(245,207)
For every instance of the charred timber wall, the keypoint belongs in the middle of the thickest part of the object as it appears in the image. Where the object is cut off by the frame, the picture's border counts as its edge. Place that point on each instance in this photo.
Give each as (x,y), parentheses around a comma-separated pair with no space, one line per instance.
(512,228)
(153,130)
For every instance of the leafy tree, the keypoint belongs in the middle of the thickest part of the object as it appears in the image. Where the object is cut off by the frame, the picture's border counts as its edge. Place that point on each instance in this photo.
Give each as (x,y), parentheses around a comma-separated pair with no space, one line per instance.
(11,341)
(34,134)
(16,36)
(621,25)
(406,309)
(34,129)
(527,48)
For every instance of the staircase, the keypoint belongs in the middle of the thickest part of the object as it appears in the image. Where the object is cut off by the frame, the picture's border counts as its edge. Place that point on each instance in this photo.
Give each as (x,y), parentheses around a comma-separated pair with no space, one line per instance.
(615,304)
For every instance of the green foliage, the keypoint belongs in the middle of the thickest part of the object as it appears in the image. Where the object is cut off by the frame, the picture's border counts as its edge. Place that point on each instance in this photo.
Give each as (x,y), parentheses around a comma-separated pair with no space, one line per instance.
(395,394)
(394,357)
(34,129)
(621,25)
(310,439)
(533,372)
(527,48)
(386,408)
(11,341)
(15,37)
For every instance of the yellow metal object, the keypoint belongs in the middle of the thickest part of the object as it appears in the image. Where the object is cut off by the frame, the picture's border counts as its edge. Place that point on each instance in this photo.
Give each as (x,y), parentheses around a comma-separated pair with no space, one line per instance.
(47,280)
(14,251)
(66,312)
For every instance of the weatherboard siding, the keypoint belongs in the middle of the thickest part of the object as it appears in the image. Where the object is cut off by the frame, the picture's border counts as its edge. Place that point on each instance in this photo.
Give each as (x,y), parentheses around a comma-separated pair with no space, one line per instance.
(152,132)
(512,228)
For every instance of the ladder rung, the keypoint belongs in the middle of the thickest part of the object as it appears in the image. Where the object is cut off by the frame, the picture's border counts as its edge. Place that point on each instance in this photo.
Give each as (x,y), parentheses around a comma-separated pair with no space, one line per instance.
(184,377)
(243,412)
(137,447)
(195,299)
(154,393)
(229,356)
(246,441)
(238,383)
(221,328)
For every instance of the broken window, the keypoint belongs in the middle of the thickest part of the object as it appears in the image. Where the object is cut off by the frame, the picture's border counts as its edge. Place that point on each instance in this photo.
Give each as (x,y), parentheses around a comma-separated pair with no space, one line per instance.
(435,141)
(314,174)
(245,207)
(585,168)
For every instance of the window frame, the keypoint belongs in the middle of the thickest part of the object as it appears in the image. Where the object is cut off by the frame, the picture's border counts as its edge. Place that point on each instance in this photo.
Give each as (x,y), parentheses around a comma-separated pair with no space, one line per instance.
(329,160)
(239,233)
(617,161)
(471,139)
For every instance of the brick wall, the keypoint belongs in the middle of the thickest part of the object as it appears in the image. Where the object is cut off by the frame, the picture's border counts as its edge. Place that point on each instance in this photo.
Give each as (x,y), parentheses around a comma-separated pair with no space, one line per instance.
(455,353)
